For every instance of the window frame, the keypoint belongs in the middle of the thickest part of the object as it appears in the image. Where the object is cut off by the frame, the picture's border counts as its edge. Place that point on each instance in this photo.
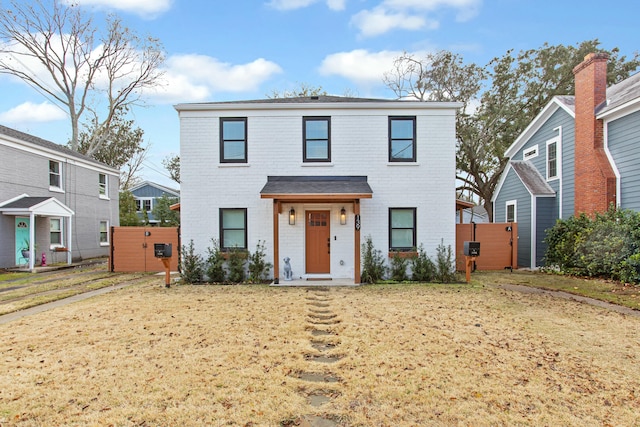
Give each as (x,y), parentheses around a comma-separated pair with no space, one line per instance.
(414,230)
(507,205)
(58,174)
(59,232)
(530,153)
(141,202)
(222,229)
(103,188)
(305,140)
(105,232)
(556,164)
(224,120)
(413,139)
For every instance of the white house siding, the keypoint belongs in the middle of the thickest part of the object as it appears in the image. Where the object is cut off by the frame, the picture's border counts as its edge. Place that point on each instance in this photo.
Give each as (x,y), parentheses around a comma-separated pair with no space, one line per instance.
(359,147)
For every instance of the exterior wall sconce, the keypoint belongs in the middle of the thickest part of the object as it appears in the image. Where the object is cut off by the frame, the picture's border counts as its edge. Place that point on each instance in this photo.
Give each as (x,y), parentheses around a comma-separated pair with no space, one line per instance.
(292,216)
(343,216)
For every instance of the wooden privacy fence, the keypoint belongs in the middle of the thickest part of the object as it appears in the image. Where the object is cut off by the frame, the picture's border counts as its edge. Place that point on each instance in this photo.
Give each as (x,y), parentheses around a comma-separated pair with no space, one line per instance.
(498,245)
(132,248)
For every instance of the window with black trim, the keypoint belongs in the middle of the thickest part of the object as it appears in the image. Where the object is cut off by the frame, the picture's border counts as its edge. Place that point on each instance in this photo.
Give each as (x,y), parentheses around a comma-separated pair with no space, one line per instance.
(402,139)
(402,229)
(233,140)
(233,228)
(316,139)
(55,174)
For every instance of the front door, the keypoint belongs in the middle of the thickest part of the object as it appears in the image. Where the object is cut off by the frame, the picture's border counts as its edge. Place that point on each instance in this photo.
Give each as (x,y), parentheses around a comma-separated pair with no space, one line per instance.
(318,242)
(22,240)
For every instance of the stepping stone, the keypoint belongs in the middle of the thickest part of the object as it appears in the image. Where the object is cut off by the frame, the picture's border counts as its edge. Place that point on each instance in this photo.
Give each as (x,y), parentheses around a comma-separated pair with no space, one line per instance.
(323,316)
(320,310)
(320,332)
(317,400)
(315,421)
(319,304)
(322,346)
(317,377)
(322,359)
(324,322)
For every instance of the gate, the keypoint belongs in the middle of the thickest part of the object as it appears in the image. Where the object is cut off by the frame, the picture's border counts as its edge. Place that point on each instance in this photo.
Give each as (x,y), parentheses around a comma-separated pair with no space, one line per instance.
(132,248)
(498,245)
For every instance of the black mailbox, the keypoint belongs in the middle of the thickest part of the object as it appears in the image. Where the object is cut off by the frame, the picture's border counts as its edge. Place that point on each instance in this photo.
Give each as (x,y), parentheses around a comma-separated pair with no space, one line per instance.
(472,248)
(162,250)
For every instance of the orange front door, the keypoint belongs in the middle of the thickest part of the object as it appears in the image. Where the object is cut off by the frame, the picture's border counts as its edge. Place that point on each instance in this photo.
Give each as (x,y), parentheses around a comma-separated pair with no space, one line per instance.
(318,247)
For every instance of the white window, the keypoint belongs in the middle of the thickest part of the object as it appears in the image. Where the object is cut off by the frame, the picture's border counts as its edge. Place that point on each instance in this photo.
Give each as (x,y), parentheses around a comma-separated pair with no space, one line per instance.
(55,175)
(55,232)
(143,205)
(552,159)
(511,211)
(103,186)
(530,153)
(104,233)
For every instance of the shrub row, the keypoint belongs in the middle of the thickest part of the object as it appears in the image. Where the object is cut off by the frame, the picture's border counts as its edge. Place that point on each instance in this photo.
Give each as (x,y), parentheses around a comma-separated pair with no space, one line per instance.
(606,245)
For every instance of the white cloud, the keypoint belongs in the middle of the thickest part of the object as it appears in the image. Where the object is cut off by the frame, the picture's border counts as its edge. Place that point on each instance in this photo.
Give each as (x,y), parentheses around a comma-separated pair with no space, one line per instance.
(299,4)
(144,8)
(192,77)
(360,66)
(30,112)
(410,15)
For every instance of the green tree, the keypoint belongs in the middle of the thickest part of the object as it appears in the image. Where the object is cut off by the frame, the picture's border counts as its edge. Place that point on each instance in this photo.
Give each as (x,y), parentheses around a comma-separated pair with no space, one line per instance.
(128,215)
(89,68)
(172,165)
(509,91)
(163,214)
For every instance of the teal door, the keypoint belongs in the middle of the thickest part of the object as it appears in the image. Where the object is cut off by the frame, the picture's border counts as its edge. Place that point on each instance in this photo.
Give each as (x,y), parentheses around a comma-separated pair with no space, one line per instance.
(22,239)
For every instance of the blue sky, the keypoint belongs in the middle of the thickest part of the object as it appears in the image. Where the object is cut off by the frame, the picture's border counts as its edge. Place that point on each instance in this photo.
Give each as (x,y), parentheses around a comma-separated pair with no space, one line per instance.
(221,50)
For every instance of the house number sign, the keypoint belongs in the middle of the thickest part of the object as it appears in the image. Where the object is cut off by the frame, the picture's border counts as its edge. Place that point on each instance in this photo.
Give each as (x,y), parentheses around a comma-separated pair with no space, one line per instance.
(357,222)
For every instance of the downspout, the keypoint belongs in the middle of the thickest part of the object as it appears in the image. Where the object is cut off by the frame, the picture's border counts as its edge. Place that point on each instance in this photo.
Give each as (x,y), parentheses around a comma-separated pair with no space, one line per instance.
(534,219)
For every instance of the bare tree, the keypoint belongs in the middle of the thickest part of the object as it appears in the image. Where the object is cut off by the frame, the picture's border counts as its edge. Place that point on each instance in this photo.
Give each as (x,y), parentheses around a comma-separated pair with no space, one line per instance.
(59,51)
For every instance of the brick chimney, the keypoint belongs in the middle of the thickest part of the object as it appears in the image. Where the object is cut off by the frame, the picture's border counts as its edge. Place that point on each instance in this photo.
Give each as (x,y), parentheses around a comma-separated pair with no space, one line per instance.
(595,181)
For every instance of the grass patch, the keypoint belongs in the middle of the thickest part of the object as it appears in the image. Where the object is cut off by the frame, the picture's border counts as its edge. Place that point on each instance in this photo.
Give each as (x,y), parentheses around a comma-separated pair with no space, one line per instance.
(232,355)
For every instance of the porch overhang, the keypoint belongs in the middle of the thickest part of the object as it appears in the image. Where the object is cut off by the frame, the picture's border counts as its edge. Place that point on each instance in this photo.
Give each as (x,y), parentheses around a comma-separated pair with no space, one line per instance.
(311,189)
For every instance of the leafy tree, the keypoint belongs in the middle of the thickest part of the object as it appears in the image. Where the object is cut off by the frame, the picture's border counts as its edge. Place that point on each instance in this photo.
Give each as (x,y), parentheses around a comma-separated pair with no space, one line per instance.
(163,213)
(128,215)
(172,165)
(509,91)
(84,67)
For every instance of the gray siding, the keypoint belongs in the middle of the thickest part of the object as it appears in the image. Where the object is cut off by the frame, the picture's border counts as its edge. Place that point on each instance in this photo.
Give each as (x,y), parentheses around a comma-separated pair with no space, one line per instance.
(545,218)
(624,145)
(27,172)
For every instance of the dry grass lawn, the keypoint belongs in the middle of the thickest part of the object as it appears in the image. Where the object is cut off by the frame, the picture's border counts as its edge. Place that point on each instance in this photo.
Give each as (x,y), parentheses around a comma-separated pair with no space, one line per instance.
(412,355)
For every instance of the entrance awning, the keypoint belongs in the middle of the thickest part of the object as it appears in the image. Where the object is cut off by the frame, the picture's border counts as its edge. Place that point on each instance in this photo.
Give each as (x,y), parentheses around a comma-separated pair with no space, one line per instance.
(39,206)
(316,188)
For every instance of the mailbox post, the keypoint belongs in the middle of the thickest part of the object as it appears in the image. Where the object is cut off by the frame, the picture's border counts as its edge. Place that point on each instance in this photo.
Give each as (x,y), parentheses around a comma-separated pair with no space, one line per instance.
(471,251)
(164,252)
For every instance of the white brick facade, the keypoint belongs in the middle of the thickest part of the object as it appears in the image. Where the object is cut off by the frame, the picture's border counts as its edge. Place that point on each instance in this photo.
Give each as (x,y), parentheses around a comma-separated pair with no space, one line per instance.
(359,147)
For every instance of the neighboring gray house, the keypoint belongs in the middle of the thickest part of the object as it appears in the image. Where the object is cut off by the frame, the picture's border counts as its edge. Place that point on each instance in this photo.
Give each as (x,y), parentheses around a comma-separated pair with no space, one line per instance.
(147,194)
(53,201)
(579,155)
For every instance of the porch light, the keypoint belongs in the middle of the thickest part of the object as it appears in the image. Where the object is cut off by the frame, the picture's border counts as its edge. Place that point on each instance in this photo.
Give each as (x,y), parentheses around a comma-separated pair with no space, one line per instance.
(292,216)
(343,216)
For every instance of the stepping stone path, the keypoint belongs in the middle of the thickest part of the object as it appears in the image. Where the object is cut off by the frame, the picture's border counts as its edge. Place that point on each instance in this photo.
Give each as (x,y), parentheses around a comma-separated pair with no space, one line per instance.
(320,319)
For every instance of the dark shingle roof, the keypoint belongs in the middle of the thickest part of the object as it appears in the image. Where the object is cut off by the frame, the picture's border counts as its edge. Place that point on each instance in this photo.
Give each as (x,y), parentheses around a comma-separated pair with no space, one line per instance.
(305,100)
(531,178)
(316,185)
(25,202)
(621,93)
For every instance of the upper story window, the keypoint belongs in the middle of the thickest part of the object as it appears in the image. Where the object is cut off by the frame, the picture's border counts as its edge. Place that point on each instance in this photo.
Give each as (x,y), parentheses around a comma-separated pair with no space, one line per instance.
(402,139)
(55,175)
(402,229)
(530,153)
(143,205)
(233,229)
(103,186)
(55,232)
(552,159)
(233,140)
(316,139)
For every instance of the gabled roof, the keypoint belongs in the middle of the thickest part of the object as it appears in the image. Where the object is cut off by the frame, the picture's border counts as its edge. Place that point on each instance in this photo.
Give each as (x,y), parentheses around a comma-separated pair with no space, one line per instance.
(48,145)
(531,178)
(155,185)
(621,95)
(566,103)
(43,206)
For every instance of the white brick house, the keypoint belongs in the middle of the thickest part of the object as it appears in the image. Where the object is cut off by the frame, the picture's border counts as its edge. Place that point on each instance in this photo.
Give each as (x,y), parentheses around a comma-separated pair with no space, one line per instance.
(312,177)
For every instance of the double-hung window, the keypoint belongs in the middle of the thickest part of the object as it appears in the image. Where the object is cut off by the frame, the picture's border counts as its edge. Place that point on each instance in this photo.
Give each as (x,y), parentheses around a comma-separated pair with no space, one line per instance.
(104,233)
(402,229)
(233,229)
(233,140)
(55,175)
(552,160)
(102,186)
(402,139)
(511,213)
(317,139)
(55,232)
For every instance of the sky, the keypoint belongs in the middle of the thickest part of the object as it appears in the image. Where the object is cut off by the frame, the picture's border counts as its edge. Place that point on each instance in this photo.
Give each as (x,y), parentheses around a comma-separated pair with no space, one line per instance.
(229,50)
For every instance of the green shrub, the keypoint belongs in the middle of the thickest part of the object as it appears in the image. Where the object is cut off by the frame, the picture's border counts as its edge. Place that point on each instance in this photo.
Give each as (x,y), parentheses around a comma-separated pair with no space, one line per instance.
(215,263)
(422,267)
(399,267)
(235,264)
(445,271)
(629,271)
(373,263)
(258,267)
(191,265)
